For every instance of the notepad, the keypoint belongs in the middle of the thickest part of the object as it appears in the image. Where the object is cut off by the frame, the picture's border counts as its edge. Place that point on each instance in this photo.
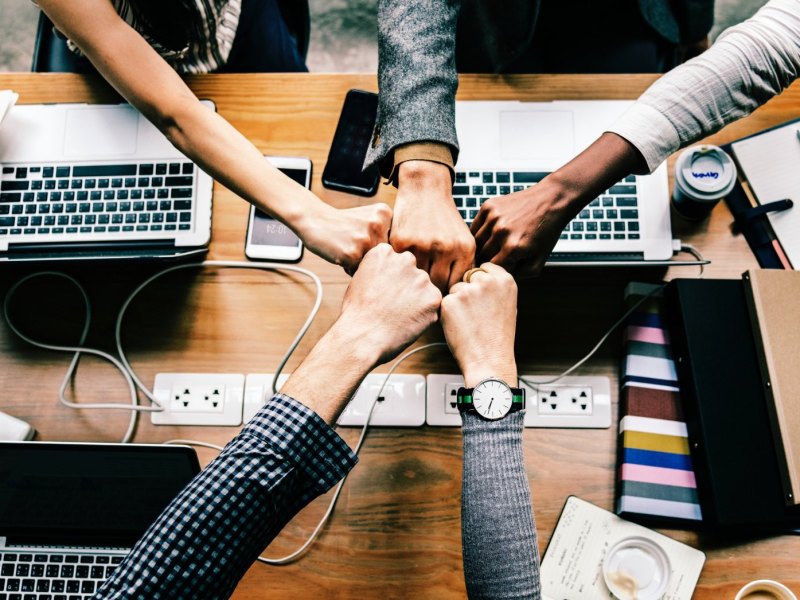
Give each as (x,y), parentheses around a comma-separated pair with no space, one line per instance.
(572,563)
(771,163)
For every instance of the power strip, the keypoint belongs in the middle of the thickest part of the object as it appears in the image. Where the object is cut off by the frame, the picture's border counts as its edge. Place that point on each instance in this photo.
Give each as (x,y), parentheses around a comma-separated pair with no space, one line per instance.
(407,400)
(571,402)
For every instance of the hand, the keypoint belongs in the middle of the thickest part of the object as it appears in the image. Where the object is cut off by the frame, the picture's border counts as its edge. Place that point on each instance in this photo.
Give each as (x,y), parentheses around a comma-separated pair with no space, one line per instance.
(479,319)
(344,236)
(389,302)
(688,50)
(427,224)
(520,230)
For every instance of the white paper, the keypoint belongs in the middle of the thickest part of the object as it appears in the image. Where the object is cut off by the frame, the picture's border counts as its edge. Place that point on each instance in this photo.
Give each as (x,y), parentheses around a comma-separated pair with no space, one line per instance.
(572,565)
(7,100)
(771,165)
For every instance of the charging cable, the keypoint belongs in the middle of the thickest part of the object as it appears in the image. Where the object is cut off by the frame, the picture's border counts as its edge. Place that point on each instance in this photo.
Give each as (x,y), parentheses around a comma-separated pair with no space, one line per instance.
(121,362)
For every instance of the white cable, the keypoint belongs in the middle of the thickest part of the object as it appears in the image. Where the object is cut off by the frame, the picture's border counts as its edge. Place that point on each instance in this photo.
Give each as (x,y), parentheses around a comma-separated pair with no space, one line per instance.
(78,350)
(122,363)
(696,253)
(535,384)
(284,560)
(181,442)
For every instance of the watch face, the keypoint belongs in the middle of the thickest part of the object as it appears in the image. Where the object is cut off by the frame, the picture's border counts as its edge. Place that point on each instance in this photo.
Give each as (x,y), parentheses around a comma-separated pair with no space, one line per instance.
(492,399)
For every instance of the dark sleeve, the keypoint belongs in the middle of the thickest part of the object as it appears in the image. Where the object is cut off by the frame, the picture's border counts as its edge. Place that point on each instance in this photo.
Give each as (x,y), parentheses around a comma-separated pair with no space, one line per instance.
(416,76)
(498,533)
(211,533)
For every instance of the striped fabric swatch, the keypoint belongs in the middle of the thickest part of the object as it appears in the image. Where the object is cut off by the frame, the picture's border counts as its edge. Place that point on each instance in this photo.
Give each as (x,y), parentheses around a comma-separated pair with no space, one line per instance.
(655,480)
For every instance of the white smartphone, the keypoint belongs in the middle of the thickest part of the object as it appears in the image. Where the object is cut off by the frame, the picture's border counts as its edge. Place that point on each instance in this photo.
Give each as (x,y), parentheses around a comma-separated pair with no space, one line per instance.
(268,238)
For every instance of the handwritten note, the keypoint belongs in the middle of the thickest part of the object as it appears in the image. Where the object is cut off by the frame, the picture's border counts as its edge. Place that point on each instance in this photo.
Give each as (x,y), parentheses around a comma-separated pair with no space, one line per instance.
(771,164)
(572,564)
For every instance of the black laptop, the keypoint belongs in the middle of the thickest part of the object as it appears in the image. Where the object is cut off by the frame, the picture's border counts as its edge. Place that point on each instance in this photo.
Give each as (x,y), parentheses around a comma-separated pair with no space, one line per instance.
(70,512)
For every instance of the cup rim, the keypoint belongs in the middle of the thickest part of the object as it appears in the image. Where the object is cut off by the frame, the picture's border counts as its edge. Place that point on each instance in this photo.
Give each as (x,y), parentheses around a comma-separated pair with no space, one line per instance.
(769,585)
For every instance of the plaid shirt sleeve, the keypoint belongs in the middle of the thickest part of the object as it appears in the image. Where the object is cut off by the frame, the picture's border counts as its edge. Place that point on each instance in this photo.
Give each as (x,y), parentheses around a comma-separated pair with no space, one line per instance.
(211,533)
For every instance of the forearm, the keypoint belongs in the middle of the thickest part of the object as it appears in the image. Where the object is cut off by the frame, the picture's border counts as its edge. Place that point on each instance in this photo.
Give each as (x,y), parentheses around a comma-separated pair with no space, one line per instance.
(230,158)
(500,549)
(210,534)
(748,65)
(330,374)
(416,75)
(606,161)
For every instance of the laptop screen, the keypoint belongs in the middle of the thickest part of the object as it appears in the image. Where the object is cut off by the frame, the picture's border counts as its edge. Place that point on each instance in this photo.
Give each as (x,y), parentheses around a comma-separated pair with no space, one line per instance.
(87,494)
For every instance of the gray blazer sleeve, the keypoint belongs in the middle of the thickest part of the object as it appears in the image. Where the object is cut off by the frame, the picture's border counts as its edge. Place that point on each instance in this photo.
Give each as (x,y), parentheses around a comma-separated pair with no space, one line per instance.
(416,76)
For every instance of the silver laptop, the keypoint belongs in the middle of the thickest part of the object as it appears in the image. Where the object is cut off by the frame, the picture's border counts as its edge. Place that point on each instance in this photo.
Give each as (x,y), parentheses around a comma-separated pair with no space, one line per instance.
(69,513)
(82,181)
(509,146)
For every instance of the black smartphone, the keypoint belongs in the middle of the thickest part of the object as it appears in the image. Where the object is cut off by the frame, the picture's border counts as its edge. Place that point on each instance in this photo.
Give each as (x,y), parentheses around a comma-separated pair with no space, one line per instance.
(343,171)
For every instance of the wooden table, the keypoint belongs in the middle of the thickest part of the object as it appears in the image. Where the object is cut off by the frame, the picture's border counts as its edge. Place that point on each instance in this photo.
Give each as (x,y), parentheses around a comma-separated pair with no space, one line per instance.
(395,532)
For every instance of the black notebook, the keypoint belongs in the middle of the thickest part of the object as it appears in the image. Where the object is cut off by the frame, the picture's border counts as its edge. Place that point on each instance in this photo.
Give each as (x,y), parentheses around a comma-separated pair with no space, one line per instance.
(724,406)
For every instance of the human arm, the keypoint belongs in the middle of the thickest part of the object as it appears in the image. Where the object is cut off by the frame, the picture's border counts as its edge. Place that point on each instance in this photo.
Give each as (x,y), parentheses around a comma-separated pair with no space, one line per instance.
(287,455)
(498,533)
(417,79)
(143,78)
(747,65)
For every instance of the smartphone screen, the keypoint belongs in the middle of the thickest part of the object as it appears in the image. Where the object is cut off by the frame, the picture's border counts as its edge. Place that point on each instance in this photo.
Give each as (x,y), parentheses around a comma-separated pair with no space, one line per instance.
(268,238)
(343,171)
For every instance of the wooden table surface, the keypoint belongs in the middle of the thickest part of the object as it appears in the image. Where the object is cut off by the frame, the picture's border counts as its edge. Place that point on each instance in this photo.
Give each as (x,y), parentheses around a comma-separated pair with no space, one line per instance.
(395,532)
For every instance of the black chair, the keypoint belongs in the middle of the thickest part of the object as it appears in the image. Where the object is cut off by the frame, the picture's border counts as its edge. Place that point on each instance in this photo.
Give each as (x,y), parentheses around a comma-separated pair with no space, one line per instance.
(51,54)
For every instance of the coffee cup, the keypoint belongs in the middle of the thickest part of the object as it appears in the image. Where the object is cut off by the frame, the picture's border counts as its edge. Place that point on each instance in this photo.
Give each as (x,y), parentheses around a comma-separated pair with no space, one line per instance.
(765,589)
(703,175)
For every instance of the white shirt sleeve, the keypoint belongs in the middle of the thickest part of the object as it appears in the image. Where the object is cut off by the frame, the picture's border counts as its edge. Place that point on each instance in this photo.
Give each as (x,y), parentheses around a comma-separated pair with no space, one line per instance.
(749,64)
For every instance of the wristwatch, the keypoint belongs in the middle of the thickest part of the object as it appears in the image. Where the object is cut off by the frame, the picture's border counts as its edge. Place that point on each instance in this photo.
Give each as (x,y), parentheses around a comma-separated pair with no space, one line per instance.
(492,399)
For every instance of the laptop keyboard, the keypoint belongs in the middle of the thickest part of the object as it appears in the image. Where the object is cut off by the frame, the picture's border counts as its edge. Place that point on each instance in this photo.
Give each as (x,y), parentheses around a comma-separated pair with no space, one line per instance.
(614,215)
(53,576)
(120,199)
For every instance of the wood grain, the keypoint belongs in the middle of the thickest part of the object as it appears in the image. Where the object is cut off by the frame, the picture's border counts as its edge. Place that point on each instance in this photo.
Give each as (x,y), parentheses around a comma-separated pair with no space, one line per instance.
(395,533)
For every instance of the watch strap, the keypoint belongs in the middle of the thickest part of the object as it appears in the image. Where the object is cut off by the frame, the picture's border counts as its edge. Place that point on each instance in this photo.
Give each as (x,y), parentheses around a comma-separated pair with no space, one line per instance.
(464,399)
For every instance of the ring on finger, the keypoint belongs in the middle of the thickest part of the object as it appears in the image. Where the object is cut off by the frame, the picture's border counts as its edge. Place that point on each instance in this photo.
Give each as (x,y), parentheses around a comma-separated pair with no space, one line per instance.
(468,275)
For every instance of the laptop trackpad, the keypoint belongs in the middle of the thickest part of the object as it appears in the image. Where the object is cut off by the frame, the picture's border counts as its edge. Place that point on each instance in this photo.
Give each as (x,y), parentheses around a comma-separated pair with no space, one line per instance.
(101,132)
(544,135)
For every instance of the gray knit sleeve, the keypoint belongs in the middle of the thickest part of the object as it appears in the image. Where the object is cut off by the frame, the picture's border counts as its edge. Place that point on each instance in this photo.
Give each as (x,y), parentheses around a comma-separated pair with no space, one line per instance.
(416,76)
(501,553)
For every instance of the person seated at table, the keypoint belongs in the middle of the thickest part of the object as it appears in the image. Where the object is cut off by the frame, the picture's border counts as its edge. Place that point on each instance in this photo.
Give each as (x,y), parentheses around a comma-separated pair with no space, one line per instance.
(498,531)
(749,64)
(141,47)
(422,42)
(288,454)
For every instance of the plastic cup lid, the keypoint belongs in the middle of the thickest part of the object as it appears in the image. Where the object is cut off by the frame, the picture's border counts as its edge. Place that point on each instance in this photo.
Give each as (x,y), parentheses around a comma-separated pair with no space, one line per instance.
(636,568)
(706,172)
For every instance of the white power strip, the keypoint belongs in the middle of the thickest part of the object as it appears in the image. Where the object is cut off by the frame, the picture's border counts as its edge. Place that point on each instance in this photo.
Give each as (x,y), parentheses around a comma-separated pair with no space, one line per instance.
(571,402)
(407,400)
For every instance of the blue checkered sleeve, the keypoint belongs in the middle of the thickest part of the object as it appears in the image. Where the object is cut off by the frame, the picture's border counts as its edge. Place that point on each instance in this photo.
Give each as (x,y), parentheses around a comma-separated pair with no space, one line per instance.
(210,534)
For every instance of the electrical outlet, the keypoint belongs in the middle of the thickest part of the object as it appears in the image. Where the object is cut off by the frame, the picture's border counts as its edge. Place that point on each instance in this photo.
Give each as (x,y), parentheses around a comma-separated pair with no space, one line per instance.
(572,402)
(257,390)
(198,399)
(403,403)
(440,404)
(591,407)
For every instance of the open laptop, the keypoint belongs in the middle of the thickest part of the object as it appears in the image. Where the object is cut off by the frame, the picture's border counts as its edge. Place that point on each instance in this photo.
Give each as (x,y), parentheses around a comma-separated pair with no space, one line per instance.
(70,512)
(80,181)
(509,146)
